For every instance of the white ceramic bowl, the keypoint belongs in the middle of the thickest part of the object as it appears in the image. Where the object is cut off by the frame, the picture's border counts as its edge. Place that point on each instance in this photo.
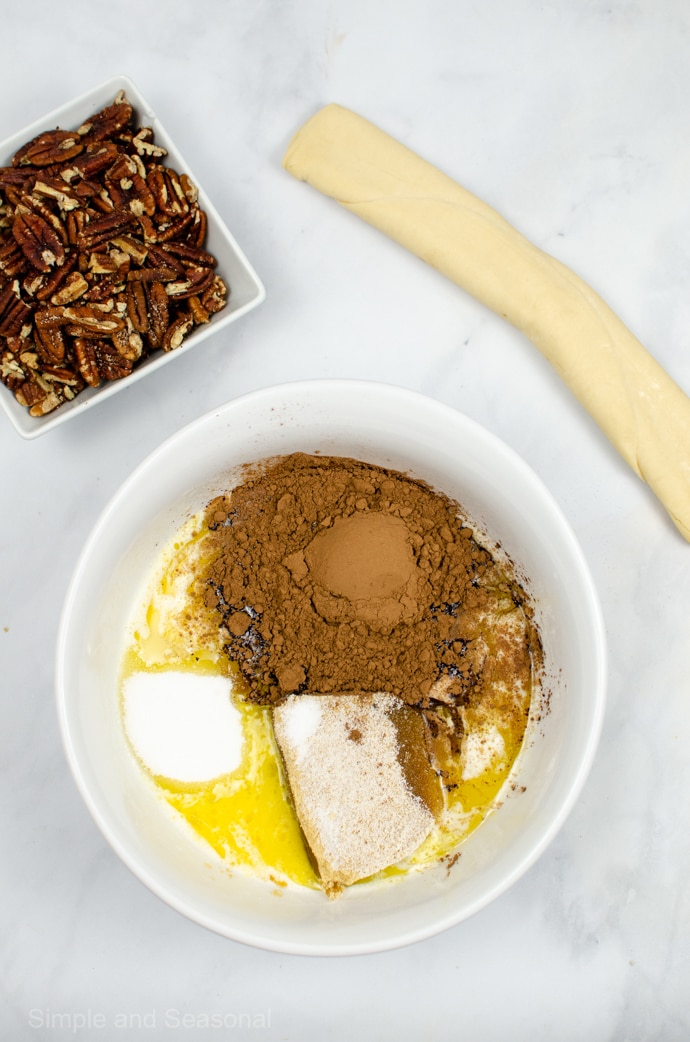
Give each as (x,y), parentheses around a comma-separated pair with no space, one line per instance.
(386,426)
(246,290)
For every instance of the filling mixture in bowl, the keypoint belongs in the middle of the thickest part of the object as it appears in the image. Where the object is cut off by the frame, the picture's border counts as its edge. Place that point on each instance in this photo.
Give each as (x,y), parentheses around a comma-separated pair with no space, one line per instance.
(330,676)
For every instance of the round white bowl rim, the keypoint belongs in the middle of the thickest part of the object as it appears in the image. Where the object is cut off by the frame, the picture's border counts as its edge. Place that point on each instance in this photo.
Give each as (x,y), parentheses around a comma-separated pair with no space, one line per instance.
(598,695)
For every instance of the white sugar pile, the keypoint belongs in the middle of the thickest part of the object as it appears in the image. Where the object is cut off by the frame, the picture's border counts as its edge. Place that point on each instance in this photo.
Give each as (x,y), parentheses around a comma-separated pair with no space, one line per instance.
(183,726)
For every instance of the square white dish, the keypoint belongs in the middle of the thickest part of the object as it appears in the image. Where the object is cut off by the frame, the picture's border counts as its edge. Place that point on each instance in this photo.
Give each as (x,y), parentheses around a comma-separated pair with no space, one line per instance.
(246,290)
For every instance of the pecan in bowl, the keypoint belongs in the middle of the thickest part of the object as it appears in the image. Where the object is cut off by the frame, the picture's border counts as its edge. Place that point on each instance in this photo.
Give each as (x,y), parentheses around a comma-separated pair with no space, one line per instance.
(112,260)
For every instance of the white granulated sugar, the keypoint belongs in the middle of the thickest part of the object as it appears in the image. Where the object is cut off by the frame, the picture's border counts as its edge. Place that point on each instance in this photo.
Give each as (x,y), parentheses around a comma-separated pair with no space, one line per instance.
(480,748)
(350,792)
(183,726)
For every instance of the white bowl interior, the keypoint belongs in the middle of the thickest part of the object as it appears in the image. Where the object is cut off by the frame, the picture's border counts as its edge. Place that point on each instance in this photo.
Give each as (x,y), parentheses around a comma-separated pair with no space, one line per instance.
(246,290)
(382,425)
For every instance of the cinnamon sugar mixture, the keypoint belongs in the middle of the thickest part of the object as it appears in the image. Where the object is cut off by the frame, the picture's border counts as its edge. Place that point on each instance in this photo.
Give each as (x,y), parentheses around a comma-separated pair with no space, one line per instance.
(332,575)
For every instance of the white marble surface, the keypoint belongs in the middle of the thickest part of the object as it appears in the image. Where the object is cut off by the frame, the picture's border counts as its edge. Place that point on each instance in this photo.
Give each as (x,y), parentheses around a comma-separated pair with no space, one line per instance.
(572,120)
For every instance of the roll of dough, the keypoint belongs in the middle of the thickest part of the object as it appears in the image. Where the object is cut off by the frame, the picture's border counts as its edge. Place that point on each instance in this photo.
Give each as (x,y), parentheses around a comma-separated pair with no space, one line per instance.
(632,398)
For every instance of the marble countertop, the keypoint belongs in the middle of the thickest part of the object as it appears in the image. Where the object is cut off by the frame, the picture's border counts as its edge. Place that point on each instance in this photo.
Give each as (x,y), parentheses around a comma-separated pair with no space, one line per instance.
(571,119)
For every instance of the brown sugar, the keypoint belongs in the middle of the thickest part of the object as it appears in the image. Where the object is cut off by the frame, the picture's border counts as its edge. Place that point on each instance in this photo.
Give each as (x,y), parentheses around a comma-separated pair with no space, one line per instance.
(364,791)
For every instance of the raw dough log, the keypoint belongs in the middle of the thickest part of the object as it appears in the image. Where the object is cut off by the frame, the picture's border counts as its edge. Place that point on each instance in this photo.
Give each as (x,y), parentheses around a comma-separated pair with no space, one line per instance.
(632,398)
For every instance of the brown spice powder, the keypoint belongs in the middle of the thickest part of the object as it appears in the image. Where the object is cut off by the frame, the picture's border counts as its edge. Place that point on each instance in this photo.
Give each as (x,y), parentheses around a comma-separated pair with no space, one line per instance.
(332,575)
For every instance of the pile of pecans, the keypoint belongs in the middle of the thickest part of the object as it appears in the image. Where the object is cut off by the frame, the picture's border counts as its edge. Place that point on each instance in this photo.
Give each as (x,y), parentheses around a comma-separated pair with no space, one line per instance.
(102,258)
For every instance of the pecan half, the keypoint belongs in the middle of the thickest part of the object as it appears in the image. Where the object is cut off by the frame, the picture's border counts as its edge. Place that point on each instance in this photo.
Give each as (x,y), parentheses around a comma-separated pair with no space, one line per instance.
(133,247)
(185,251)
(60,374)
(128,343)
(74,286)
(137,306)
(108,121)
(177,331)
(159,257)
(189,188)
(12,177)
(167,229)
(196,231)
(51,283)
(54,188)
(92,162)
(159,313)
(167,191)
(215,297)
(74,223)
(38,205)
(111,364)
(89,317)
(105,289)
(165,274)
(50,340)
(104,229)
(85,355)
(127,187)
(196,281)
(198,311)
(55,146)
(103,264)
(38,242)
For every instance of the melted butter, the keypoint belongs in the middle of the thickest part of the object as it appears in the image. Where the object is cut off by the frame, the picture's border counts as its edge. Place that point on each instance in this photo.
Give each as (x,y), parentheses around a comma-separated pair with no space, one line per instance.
(468,801)
(247,816)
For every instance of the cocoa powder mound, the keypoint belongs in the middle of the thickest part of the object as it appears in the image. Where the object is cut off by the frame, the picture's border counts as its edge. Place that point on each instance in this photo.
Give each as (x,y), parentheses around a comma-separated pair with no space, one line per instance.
(333,575)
